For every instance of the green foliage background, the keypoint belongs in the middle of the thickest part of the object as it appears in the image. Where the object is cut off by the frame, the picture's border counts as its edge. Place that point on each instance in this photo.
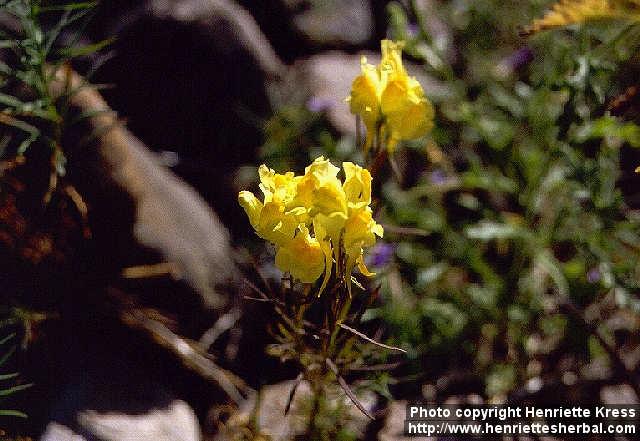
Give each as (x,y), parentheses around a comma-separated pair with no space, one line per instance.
(515,249)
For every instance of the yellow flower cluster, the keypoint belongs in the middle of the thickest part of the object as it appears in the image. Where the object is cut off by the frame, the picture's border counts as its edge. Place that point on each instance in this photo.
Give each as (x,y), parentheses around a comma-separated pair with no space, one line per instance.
(337,212)
(568,12)
(389,101)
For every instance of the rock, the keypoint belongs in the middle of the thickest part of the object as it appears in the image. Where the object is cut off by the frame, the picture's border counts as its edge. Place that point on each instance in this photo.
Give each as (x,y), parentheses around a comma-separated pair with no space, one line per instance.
(175,423)
(119,406)
(191,77)
(298,28)
(393,429)
(276,426)
(222,16)
(160,212)
(618,394)
(333,22)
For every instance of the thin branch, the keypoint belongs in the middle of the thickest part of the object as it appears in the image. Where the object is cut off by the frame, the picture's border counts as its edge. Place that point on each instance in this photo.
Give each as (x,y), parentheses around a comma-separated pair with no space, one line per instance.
(256,299)
(370,340)
(376,367)
(277,308)
(407,231)
(292,393)
(82,208)
(152,270)
(189,352)
(222,325)
(343,384)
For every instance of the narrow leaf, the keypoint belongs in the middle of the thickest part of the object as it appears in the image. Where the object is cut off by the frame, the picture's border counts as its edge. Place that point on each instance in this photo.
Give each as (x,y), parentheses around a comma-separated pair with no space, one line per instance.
(14,389)
(6,356)
(7,338)
(69,6)
(13,413)
(81,51)
(9,376)
(343,384)
(370,340)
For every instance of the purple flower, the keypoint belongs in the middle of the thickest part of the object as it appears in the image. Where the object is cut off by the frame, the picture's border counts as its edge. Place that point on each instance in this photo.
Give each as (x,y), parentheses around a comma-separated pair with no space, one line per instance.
(594,275)
(437,177)
(319,104)
(519,58)
(413,30)
(380,255)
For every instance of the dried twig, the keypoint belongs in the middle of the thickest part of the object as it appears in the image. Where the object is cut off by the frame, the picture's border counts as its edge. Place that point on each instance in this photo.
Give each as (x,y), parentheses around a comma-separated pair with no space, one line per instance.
(189,353)
(292,393)
(376,367)
(406,231)
(343,384)
(82,208)
(370,340)
(222,325)
(152,270)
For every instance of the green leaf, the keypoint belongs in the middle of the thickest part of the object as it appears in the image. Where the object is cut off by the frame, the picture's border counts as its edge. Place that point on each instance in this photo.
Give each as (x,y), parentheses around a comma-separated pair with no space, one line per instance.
(14,389)
(32,131)
(13,413)
(7,355)
(608,126)
(9,376)
(85,50)
(7,338)
(69,6)
(487,230)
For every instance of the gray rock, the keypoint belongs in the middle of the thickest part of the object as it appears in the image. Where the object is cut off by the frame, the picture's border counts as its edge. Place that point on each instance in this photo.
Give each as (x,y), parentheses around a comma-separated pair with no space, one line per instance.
(272,421)
(177,422)
(393,429)
(169,217)
(222,14)
(191,77)
(109,393)
(618,394)
(334,21)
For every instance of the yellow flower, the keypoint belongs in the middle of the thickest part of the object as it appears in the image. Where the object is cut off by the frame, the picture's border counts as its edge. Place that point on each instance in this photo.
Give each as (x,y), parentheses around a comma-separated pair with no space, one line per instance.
(386,97)
(273,219)
(338,212)
(408,113)
(364,100)
(360,232)
(252,206)
(320,190)
(568,12)
(357,184)
(302,257)
(270,220)
(276,187)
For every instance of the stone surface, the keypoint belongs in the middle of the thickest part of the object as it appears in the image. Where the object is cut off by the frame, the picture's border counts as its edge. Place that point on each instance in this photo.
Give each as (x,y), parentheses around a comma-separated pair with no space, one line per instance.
(333,22)
(618,394)
(393,429)
(220,16)
(176,422)
(272,420)
(191,78)
(139,198)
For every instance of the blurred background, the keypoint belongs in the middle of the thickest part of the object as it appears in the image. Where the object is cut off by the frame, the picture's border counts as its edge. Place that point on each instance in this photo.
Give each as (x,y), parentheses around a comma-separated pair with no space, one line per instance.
(509,269)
